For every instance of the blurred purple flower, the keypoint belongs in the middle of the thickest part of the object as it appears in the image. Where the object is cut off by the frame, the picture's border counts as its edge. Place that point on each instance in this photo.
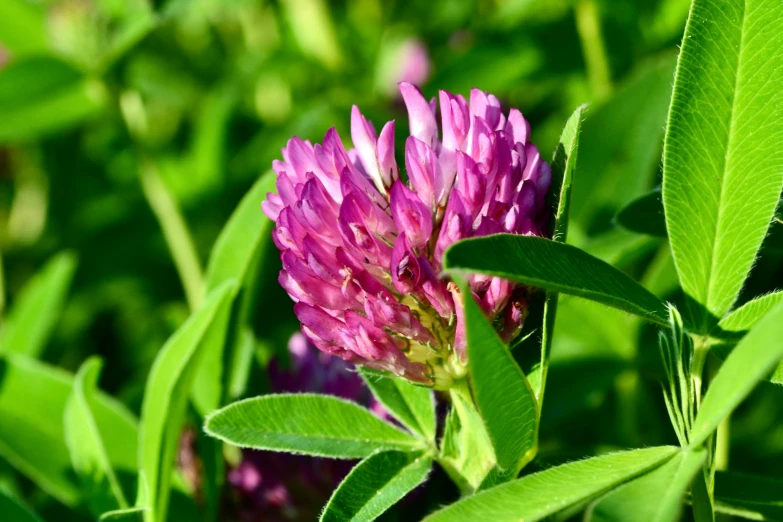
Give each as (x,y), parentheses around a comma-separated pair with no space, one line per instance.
(362,250)
(281,487)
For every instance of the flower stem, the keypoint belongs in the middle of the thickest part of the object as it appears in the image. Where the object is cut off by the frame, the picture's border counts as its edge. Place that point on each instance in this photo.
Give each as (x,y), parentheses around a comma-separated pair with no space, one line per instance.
(175,232)
(588,25)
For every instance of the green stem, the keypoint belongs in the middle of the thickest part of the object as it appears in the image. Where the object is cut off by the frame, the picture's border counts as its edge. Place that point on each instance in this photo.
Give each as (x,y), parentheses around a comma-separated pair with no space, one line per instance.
(175,232)
(588,25)
(722,445)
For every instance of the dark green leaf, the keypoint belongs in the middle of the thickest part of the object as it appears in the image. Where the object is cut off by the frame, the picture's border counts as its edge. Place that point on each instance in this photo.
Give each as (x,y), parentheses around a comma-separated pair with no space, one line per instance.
(539,495)
(413,406)
(14,511)
(503,396)
(753,357)
(554,267)
(644,215)
(375,484)
(748,496)
(37,310)
(166,393)
(722,167)
(563,165)
(319,425)
(654,497)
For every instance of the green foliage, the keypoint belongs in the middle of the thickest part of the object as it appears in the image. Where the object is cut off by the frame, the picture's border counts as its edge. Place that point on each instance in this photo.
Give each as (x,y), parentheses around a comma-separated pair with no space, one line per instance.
(656,496)
(722,174)
(749,362)
(375,484)
(567,270)
(644,215)
(15,511)
(539,495)
(503,396)
(87,446)
(38,308)
(311,424)
(166,394)
(413,406)
(748,496)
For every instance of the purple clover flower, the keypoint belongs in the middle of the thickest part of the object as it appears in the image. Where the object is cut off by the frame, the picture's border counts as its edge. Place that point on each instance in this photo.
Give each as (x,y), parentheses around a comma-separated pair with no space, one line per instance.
(362,250)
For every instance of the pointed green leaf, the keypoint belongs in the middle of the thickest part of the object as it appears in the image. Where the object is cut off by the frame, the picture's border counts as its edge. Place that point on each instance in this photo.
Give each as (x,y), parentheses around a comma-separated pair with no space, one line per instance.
(237,250)
(166,394)
(541,494)
(753,357)
(644,215)
(746,316)
(503,396)
(654,497)
(375,484)
(554,267)
(86,443)
(748,496)
(413,406)
(14,511)
(319,425)
(134,514)
(563,166)
(37,309)
(722,166)
(33,397)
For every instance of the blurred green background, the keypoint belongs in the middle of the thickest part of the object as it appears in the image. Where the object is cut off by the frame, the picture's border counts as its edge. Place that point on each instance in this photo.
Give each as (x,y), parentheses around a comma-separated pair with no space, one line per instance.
(129,131)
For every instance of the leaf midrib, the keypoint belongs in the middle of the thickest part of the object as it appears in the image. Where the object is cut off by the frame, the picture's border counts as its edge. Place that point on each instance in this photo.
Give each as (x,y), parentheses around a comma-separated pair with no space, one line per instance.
(410,442)
(725,160)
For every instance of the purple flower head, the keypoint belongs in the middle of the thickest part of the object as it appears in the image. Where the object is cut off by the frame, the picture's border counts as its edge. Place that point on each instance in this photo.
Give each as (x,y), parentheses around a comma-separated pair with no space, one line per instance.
(362,249)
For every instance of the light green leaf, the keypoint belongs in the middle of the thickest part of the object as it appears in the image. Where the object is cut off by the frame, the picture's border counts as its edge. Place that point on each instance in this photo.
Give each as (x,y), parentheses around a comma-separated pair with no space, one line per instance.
(134,514)
(319,425)
(644,215)
(654,497)
(746,316)
(236,251)
(722,166)
(23,27)
(37,309)
(413,406)
(165,397)
(753,357)
(563,165)
(503,396)
(14,511)
(86,445)
(555,267)
(375,484)
(33,397)
(41,94)
(539,495)
(748,496)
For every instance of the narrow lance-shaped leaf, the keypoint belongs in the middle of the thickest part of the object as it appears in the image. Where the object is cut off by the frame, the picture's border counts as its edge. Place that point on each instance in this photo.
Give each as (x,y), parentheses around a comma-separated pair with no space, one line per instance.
(722,163)
(375,484)
(654,497)
(165,397)
(554,267)
(503,396)
(233,255)
(563,166)
(413,406)
(754,356)
(38,307)
(136,513)
(319,425)
(539,495)
(86,445)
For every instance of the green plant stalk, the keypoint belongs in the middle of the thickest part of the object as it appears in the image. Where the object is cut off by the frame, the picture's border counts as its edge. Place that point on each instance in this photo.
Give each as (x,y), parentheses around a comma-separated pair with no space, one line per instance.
(175,232)
(588,25)
(721,461)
